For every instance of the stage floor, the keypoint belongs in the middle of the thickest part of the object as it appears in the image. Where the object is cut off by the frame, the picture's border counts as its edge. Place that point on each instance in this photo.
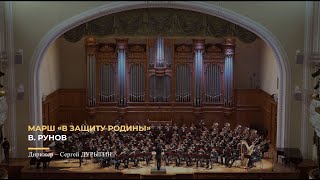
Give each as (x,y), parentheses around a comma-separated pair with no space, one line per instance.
(72,166)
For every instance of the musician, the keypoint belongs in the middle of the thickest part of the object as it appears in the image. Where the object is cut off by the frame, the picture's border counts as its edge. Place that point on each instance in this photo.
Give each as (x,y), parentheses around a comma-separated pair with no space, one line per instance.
(167,151)
(159,127)
(235,156)
(178,153)
(147,155)
(149,134)
(84,123)
(192,128)
(158,156)
(215,126)
(238,129)
(201,124)
(79,147)
(255,157)
(213,157)
(200,154)
(226,127)
(45,160)
(117,122)
(116,161)
(175,127)
(265,148)
(167,128)
(189,158)
(228,155)
(184,129)
(175,136)
(152,127)
(33,159)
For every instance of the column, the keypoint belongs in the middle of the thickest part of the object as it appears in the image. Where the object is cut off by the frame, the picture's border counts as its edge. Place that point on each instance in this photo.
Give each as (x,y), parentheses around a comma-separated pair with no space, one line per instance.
(229,47)
(311,65)
(121,48)
(198,46)
(90,44)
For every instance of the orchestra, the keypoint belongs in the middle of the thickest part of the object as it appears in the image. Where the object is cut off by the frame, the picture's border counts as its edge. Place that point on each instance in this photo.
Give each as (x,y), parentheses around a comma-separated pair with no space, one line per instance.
(196,145)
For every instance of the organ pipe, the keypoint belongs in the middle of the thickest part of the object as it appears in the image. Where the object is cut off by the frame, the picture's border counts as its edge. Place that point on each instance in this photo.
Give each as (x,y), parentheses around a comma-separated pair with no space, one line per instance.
(106,83)
(229,47)
(137,83)
(90,44)
(183,79)
(122,45)
(91,69)
(101,90)
(198,50)
(160,52)
(140,84)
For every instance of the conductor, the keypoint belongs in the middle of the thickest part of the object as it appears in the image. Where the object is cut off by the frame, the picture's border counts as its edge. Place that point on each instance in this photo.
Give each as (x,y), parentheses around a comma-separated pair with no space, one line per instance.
(158,156)
(79,149)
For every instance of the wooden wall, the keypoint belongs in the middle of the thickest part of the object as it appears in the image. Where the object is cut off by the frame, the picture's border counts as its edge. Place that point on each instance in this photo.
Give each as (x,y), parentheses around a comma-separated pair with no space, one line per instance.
(65,106)
(254,108)
(257,109)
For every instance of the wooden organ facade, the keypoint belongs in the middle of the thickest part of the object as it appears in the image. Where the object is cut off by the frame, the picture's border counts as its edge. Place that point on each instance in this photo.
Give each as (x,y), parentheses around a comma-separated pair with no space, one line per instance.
(161,81)
(159,74)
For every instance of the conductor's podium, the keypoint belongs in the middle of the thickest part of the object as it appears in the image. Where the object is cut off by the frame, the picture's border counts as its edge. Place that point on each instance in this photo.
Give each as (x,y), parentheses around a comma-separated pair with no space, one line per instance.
(154,170)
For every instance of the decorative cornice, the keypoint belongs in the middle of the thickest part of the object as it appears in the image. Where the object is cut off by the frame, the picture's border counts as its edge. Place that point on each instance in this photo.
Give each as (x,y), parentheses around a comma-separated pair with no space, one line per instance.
(159,21)
(183,48)
(137,47)
(106,47)
(211,48)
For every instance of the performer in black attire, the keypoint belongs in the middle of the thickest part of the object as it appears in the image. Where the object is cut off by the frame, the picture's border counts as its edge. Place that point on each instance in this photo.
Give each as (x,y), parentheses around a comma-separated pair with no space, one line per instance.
(79,149)
(6,148)
(158,156)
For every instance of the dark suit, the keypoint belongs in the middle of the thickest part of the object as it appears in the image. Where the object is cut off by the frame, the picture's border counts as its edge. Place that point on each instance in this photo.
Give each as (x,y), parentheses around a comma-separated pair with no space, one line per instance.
(158,157)
(79,149)
(6,148)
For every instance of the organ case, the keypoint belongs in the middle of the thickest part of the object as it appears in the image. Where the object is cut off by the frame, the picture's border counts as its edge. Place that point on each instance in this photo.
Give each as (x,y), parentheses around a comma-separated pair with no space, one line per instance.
(158,73)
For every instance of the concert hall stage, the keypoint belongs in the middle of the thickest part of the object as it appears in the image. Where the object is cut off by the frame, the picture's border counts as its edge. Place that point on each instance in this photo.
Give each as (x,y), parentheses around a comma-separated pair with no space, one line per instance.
(64,169)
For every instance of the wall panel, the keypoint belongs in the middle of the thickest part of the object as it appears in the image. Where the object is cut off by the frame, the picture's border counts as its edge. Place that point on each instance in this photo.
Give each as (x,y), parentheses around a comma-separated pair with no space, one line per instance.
(254,108)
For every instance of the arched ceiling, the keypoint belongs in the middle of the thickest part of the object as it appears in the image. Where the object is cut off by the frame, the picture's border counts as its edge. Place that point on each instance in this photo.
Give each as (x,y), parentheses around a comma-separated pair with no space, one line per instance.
(159,21)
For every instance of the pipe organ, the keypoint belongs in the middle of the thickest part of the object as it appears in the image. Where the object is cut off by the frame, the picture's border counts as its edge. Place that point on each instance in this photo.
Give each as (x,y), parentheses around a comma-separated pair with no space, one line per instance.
(160,88)
(198,69)
(213,83)
(122,97)
(228,68)
(107,75)
(137,76)
(159,71)
(160,52)
(183,82)
(91,71)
